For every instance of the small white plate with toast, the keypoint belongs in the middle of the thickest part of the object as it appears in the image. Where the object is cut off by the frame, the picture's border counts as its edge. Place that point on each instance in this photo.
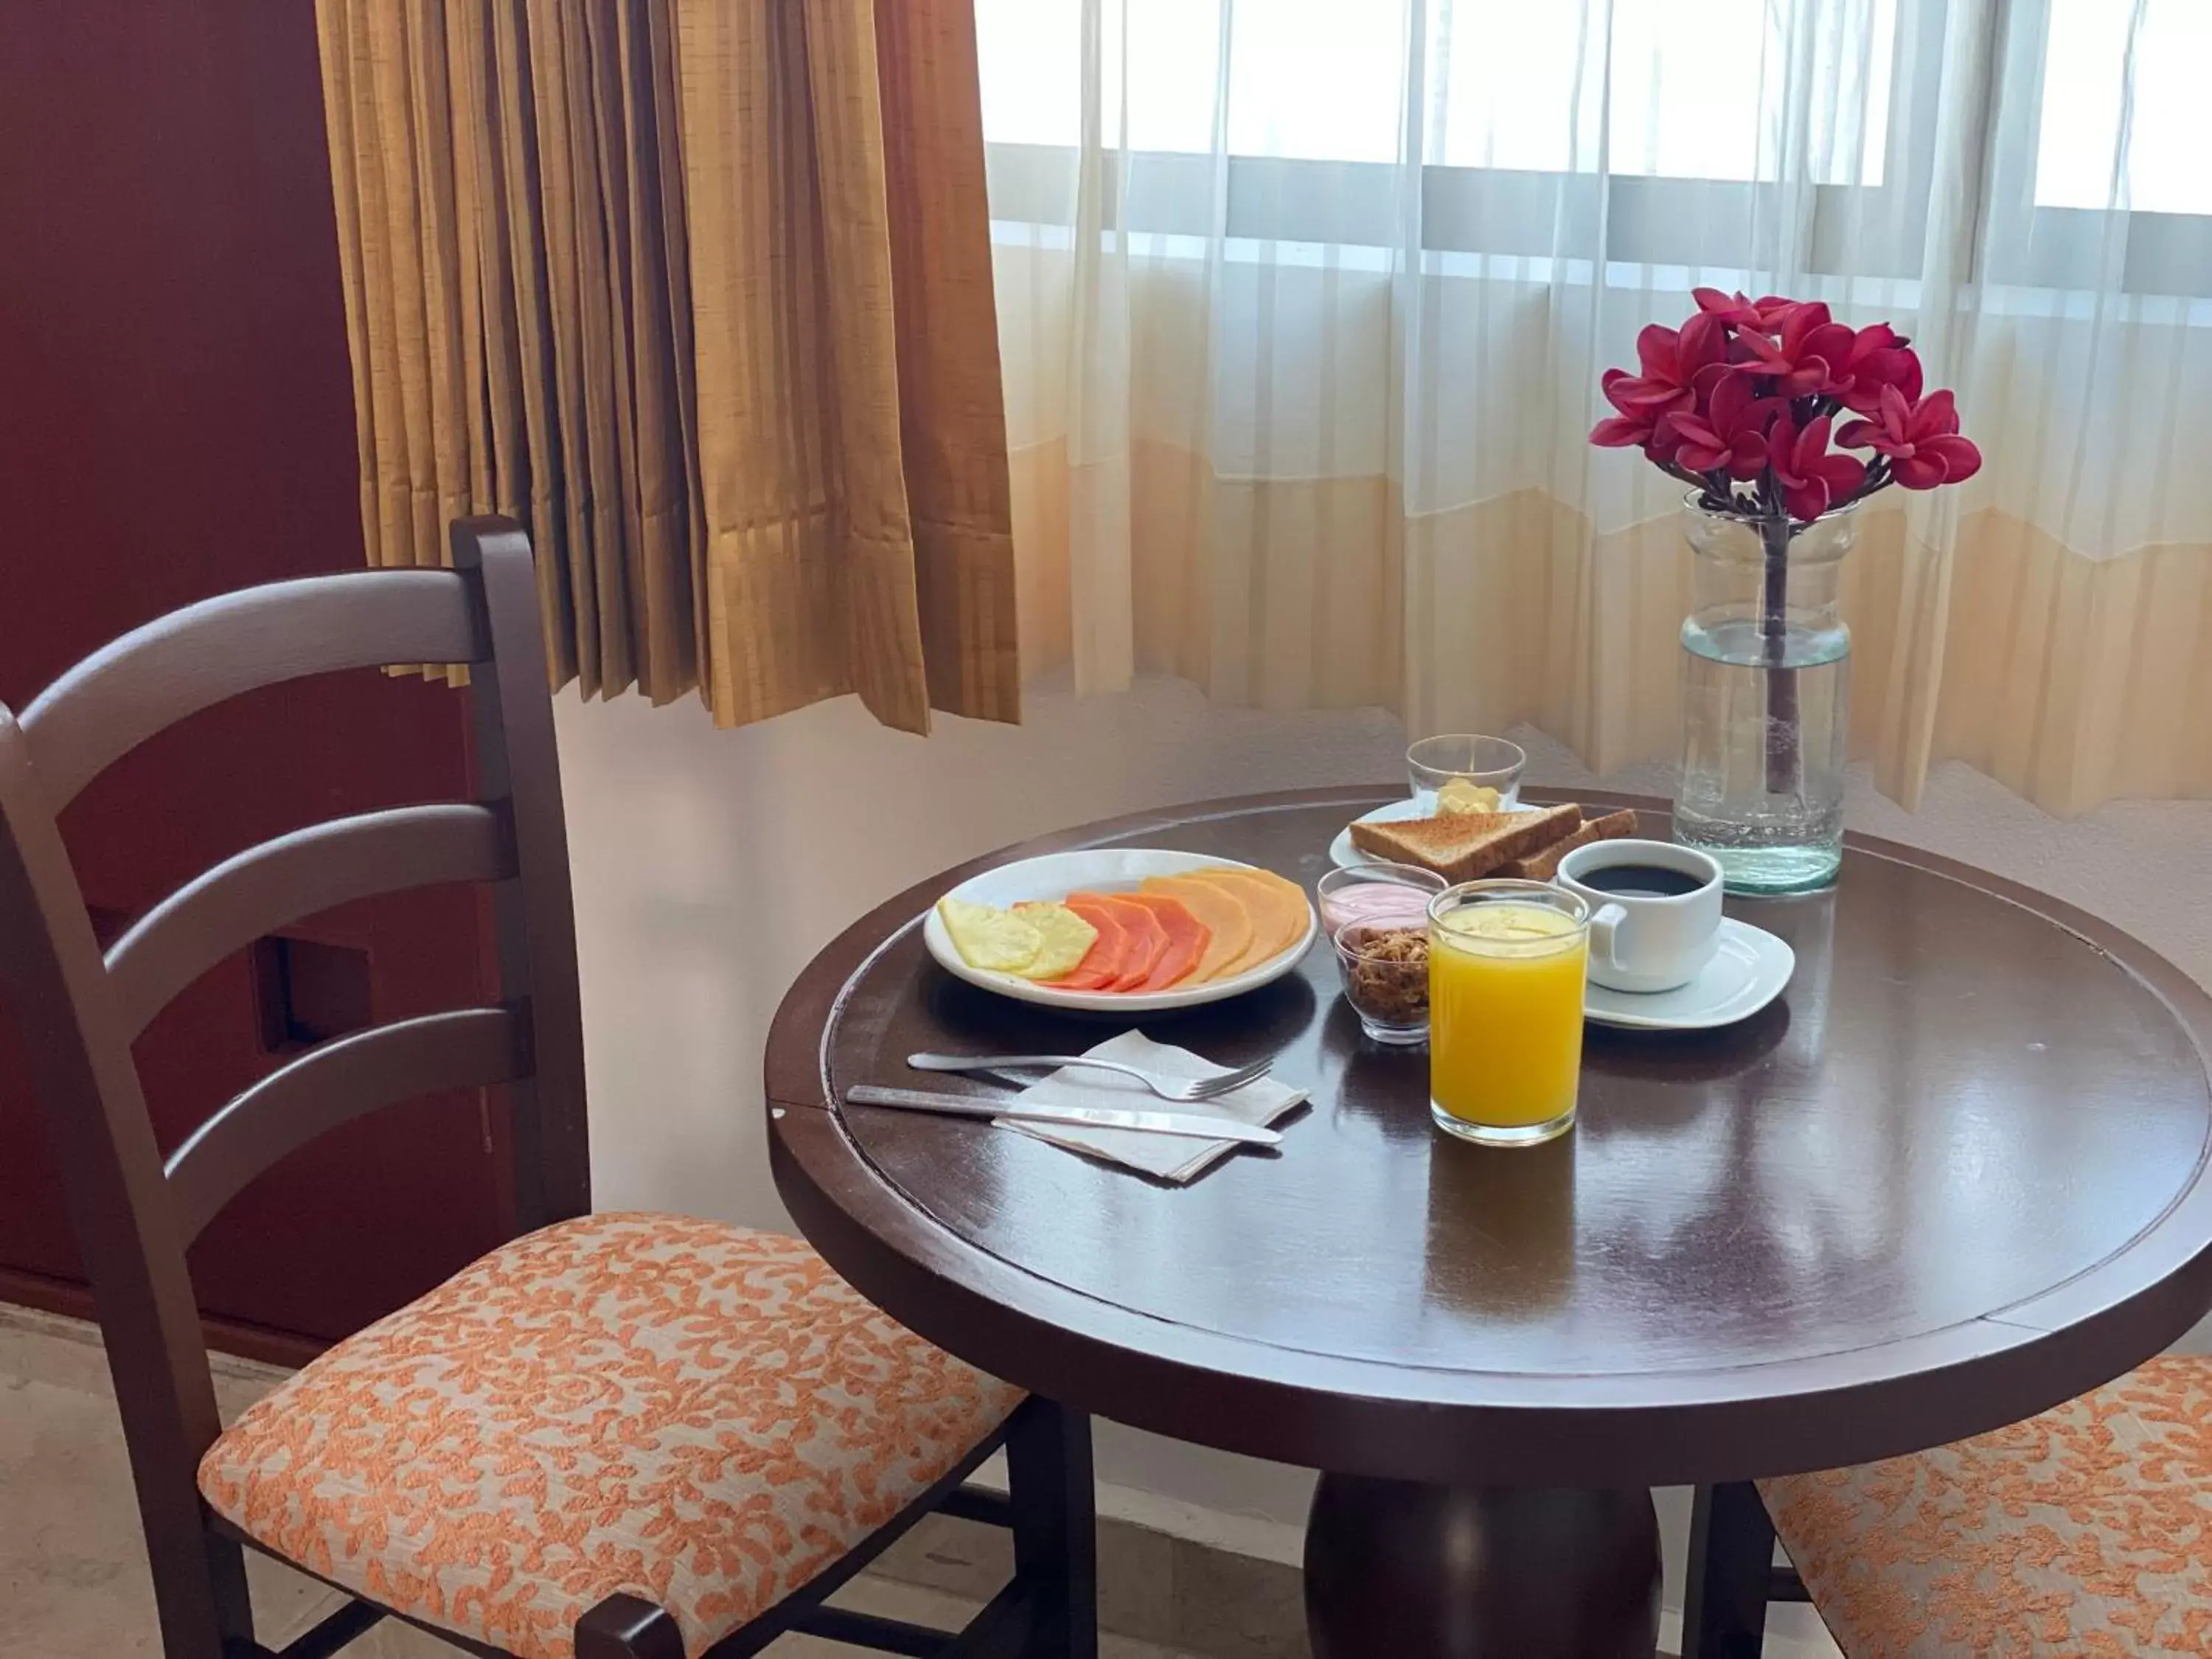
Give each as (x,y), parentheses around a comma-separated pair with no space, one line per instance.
(1526,840)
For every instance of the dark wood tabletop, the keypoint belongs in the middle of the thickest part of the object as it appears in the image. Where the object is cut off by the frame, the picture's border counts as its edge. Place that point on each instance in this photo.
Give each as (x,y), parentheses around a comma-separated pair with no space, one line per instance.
(1955,1174)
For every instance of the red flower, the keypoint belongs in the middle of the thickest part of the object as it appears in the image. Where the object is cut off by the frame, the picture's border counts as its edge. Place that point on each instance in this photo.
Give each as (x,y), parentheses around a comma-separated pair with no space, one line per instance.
(1812,478)
(1878,357)
(1731,432)
(1748,392)
(1738,312)
(1921,439)
(1810,357)
(1671,361)
(1631,426)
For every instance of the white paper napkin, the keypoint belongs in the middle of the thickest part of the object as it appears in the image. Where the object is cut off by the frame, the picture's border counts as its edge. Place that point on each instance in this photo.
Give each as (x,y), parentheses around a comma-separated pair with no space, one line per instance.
(1171,1157)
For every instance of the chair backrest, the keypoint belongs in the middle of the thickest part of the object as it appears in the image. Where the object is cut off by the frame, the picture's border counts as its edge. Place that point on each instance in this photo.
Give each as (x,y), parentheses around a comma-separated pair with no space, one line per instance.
(135,1213)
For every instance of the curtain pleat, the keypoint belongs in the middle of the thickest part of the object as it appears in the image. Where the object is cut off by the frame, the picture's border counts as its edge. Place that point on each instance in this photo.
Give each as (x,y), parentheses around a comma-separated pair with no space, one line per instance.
(334,47)
(403,195)
(668,515)
(952,429)
(761,454)
(521,413)
(582,389)
(700,291)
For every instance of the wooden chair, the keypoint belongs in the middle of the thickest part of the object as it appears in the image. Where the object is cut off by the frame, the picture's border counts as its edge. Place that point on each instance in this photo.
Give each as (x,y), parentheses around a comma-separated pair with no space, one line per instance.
(623,1437)
(2084,1530)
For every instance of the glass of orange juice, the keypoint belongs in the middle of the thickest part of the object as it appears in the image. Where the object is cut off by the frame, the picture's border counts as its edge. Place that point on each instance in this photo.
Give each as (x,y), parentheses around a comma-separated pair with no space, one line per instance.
(1506,965)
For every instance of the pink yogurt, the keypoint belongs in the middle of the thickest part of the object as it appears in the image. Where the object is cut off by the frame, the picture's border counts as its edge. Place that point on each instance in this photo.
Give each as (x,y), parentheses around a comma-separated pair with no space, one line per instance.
(1378,903)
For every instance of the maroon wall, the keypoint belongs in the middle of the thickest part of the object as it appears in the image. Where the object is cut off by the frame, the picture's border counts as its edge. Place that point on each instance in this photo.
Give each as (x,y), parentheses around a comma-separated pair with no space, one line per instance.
(176,419)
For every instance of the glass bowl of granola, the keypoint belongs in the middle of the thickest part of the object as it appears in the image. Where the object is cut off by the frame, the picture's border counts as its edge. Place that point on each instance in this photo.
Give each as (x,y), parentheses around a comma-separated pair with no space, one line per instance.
(1386,977)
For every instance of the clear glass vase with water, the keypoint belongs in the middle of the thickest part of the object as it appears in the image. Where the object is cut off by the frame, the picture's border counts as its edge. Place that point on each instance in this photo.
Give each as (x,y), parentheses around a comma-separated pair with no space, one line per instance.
(1766,666)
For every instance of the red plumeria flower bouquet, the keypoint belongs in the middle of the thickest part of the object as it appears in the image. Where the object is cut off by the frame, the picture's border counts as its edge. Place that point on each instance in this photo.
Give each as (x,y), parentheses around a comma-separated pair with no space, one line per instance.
(1742,402)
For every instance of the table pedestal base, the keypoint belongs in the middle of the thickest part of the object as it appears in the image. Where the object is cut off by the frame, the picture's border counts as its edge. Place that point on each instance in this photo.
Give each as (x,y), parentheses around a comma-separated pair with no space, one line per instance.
(1457,1572)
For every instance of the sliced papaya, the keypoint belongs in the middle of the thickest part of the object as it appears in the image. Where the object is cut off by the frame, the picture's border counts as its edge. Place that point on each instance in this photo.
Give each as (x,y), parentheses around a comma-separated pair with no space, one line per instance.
(1095,972)
(1101,965)
(1227,921)
(1148,940)
(1187,940)
(1279,912)
(1148,944)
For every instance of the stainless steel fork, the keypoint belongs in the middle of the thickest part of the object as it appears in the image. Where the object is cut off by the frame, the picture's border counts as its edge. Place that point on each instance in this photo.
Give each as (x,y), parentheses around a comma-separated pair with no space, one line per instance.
(1183,1089)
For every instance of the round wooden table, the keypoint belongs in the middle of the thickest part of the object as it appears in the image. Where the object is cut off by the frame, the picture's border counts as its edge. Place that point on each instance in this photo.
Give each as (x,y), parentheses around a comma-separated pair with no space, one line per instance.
(1955,1176)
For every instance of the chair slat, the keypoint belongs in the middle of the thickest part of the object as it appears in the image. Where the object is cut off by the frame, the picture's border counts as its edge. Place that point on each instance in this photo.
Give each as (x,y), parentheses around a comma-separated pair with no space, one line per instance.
(278,881)
(335,1083)
(190,659)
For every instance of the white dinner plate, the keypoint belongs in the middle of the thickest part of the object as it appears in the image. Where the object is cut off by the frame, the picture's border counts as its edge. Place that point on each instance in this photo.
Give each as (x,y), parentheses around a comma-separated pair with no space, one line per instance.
(1747,971)
(1098,870)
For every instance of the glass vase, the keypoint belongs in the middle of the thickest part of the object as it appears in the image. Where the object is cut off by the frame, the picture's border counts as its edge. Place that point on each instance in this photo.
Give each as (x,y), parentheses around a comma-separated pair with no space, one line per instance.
(1766,665)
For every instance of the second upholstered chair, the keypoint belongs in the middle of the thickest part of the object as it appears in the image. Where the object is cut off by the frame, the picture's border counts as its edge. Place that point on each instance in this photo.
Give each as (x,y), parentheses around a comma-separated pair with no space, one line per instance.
(2085,1531)
(616,1436)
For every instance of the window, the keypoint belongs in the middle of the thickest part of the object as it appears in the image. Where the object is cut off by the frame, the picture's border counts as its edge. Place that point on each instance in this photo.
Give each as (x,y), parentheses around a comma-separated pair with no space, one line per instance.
(1692,83)
(2100,179)
(1680,104)
(1509,99)
(1690,88)
(2165,165)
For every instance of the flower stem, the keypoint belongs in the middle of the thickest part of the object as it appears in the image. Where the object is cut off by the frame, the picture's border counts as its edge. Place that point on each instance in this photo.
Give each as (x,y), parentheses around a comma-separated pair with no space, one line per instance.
(1781,734)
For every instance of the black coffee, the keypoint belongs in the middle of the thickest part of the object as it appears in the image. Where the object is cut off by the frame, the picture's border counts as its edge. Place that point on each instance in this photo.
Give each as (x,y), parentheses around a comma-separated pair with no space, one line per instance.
(1640,880)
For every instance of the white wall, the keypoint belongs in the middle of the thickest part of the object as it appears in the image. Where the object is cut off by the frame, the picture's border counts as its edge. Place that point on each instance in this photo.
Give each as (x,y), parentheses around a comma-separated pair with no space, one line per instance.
(710,865)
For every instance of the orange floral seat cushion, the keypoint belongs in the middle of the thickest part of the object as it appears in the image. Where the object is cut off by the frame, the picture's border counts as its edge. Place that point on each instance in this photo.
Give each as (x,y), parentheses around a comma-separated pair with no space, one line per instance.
(2087,1531)
(698,1414)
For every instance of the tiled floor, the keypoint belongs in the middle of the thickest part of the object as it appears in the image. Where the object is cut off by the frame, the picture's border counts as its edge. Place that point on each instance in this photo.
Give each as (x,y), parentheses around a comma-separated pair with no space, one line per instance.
(73,1580)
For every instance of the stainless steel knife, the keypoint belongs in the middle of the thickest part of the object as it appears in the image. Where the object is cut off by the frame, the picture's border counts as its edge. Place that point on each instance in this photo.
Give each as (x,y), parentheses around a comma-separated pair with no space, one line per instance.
(1193,1125)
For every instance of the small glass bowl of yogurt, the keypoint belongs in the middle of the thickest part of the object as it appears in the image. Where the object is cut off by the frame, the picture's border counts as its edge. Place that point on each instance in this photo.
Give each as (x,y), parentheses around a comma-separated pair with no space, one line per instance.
(1377,894)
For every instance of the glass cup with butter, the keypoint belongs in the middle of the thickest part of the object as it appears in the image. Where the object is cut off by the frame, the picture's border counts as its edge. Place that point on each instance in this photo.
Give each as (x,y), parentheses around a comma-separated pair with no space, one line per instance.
(1465,772)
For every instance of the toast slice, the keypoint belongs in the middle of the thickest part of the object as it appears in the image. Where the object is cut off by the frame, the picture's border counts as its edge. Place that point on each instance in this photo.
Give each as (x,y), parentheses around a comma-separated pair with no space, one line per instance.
(1461,847)
(1544,863)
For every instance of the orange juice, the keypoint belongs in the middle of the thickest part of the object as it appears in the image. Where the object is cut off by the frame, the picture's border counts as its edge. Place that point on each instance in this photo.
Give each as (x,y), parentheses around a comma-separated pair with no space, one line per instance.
(1505,1014)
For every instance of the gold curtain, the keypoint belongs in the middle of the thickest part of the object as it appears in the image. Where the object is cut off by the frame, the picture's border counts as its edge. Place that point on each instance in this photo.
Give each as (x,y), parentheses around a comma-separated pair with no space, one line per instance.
(700,290)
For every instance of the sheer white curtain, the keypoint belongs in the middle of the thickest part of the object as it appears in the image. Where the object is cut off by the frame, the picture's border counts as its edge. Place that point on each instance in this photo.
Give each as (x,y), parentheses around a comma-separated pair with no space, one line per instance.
(1304,303)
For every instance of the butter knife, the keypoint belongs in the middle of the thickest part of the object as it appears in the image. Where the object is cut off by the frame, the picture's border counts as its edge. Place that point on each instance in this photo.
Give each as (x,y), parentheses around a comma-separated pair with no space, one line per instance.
(1193,1125)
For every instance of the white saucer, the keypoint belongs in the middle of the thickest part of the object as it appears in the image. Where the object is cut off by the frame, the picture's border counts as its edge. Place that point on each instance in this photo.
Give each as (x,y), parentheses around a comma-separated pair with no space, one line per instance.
(1747,971)
(1345,856)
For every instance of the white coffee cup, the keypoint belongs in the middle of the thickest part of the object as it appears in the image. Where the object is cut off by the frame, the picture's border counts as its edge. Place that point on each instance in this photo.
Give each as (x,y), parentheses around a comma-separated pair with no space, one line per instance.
(1664,938)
